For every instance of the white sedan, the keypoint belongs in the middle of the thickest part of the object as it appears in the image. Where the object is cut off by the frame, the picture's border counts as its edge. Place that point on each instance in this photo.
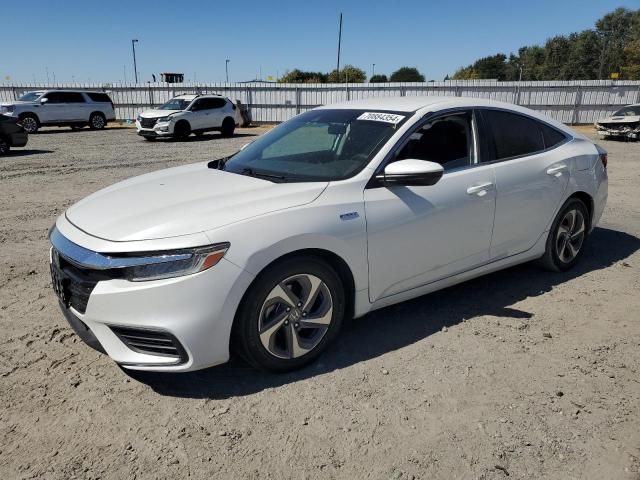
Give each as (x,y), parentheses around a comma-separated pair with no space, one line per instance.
(339,211)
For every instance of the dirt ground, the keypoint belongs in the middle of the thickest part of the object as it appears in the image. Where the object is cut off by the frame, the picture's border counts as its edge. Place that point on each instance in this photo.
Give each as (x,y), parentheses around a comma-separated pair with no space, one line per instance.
(520,374)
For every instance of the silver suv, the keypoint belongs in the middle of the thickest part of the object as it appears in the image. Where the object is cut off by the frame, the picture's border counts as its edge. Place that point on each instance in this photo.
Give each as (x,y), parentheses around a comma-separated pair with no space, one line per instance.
(73,108)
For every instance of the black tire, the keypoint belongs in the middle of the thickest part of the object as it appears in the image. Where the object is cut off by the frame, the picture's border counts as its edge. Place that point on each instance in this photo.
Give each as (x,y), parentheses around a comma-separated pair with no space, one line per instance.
(246,337)
(182,130)
(4,146)
(29,122)
(228,127)
(565,237)
(97,121)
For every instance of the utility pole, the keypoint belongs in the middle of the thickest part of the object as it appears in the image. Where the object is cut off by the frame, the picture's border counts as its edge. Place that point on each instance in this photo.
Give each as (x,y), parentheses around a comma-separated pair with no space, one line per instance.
(520,77)
(339,43)
(135,66)
(373,70)
(226,68)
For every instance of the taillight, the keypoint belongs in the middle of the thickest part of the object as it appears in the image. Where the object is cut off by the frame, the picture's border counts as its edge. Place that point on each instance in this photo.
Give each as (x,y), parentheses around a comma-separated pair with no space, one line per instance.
(604,160)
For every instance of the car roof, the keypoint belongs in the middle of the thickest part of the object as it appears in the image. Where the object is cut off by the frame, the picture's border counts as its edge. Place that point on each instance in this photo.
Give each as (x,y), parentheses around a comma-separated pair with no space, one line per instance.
(191,96)
(425,104)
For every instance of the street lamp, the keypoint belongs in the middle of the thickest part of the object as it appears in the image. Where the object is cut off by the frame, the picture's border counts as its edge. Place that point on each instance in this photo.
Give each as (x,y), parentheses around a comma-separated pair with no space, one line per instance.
(135,67)
(226,68)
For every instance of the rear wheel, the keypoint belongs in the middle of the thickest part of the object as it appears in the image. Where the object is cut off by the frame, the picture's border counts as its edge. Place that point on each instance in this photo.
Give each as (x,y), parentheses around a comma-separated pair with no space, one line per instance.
(29,122)
(228,126)
(97,121)
(566,237)
(290,314)
(4,146)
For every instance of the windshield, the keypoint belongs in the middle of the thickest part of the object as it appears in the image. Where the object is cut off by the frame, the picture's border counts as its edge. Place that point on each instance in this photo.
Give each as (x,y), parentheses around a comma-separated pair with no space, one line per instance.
(175,104)
(319,145)
(628,112)
(30,96)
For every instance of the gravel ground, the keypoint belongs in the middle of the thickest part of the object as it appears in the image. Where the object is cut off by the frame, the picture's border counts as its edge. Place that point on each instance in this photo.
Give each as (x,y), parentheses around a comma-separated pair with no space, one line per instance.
(520,374)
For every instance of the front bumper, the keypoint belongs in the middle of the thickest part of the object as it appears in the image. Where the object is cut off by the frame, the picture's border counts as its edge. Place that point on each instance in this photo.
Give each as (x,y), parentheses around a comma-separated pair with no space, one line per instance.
(18,139)
(164,129)
(630,132)
(196,310)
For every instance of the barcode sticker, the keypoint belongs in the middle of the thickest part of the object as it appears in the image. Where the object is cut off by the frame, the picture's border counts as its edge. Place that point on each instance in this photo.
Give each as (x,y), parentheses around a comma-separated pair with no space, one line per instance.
(381,117)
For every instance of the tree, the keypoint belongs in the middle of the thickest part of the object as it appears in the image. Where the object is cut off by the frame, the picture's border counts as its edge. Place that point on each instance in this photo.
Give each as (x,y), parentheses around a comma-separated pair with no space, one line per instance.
(348,74)
(612,47)
(378,79)
(299,76)
(406,74)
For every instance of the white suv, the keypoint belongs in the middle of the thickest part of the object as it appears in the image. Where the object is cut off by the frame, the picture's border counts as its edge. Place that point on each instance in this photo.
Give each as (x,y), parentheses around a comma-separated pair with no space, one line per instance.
(186,114)
(74,108)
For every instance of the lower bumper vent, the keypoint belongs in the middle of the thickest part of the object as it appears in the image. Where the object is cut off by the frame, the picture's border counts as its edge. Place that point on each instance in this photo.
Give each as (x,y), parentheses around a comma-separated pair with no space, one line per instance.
(151,342)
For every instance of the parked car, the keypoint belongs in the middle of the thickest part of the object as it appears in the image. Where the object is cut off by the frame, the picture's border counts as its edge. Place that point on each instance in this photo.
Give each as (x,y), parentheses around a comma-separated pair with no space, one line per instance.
(71,108)
(339,211)
(11,134)
(625,123)
(186,114)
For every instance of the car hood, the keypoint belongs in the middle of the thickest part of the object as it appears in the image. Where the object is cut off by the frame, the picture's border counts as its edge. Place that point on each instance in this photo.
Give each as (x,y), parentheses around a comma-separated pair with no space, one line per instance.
(15,102)
(182,201)
(158,113)
(620,119)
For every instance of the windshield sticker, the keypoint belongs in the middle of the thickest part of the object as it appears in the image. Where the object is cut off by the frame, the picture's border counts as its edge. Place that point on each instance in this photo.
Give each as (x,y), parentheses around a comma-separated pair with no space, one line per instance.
(381,117)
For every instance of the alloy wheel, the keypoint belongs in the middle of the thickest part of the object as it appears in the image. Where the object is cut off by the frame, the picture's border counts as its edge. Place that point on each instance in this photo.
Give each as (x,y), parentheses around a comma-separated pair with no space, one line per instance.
(295,316)
(97,122)
(570,235)
(29,124)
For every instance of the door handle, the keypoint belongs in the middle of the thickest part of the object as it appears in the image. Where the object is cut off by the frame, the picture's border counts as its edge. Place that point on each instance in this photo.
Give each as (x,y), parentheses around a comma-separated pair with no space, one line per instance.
(479,190)
(557,170)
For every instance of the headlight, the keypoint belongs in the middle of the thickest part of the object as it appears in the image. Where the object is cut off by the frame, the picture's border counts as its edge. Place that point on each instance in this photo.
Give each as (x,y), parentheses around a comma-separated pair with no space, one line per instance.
(7,108)
(164,119)
(139,118)
(175,263)
(142,266)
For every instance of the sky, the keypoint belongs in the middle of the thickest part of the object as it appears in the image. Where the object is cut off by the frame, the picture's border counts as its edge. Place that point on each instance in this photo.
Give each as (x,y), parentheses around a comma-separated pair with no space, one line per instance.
(90,41)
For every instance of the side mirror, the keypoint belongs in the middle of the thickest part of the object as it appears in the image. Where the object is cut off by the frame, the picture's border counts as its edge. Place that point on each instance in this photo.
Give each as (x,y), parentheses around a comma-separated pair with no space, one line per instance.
(44,100)
(411,172)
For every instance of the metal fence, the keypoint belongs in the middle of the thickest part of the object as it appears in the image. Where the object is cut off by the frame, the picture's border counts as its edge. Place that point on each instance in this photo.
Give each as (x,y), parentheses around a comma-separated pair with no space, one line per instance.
(567,101)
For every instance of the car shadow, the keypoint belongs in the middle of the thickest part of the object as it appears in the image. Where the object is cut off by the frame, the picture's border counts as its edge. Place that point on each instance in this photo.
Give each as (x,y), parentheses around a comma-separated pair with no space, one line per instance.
(57,130)
(205,137)
(23,153)
(403,324)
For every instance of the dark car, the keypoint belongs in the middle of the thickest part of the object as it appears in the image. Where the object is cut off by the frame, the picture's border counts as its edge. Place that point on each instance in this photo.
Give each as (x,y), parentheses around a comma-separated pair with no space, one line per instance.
(11,134)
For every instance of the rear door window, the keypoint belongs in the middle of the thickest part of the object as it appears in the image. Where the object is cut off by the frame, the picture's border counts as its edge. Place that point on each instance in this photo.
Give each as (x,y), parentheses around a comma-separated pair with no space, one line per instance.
(513,135)
(71,97)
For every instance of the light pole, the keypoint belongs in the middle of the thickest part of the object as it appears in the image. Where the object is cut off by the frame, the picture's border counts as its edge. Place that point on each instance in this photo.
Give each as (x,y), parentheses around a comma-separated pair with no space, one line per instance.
(373,70)
(339,44)
(135,66)
(226,68)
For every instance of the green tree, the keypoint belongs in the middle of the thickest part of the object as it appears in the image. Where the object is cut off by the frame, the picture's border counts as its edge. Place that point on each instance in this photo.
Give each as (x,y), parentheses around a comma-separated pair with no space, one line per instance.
(348,74)
(299,76)
(406,74)
(378,79)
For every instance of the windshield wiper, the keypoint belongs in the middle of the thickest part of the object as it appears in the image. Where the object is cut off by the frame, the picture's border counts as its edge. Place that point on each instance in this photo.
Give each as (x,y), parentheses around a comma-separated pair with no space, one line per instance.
(268,176)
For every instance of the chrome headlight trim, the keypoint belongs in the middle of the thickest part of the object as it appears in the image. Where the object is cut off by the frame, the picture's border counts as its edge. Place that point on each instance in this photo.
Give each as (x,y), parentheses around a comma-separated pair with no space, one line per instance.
(141,266)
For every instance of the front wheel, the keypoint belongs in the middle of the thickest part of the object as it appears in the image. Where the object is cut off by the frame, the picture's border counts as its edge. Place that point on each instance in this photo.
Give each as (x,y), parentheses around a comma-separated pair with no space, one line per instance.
(290,314)
(30,123)
(566,237)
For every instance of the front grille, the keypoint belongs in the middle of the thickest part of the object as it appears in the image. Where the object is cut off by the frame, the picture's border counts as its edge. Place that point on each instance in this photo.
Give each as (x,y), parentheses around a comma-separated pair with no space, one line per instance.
(151,342)
(79,282)
(148,122)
